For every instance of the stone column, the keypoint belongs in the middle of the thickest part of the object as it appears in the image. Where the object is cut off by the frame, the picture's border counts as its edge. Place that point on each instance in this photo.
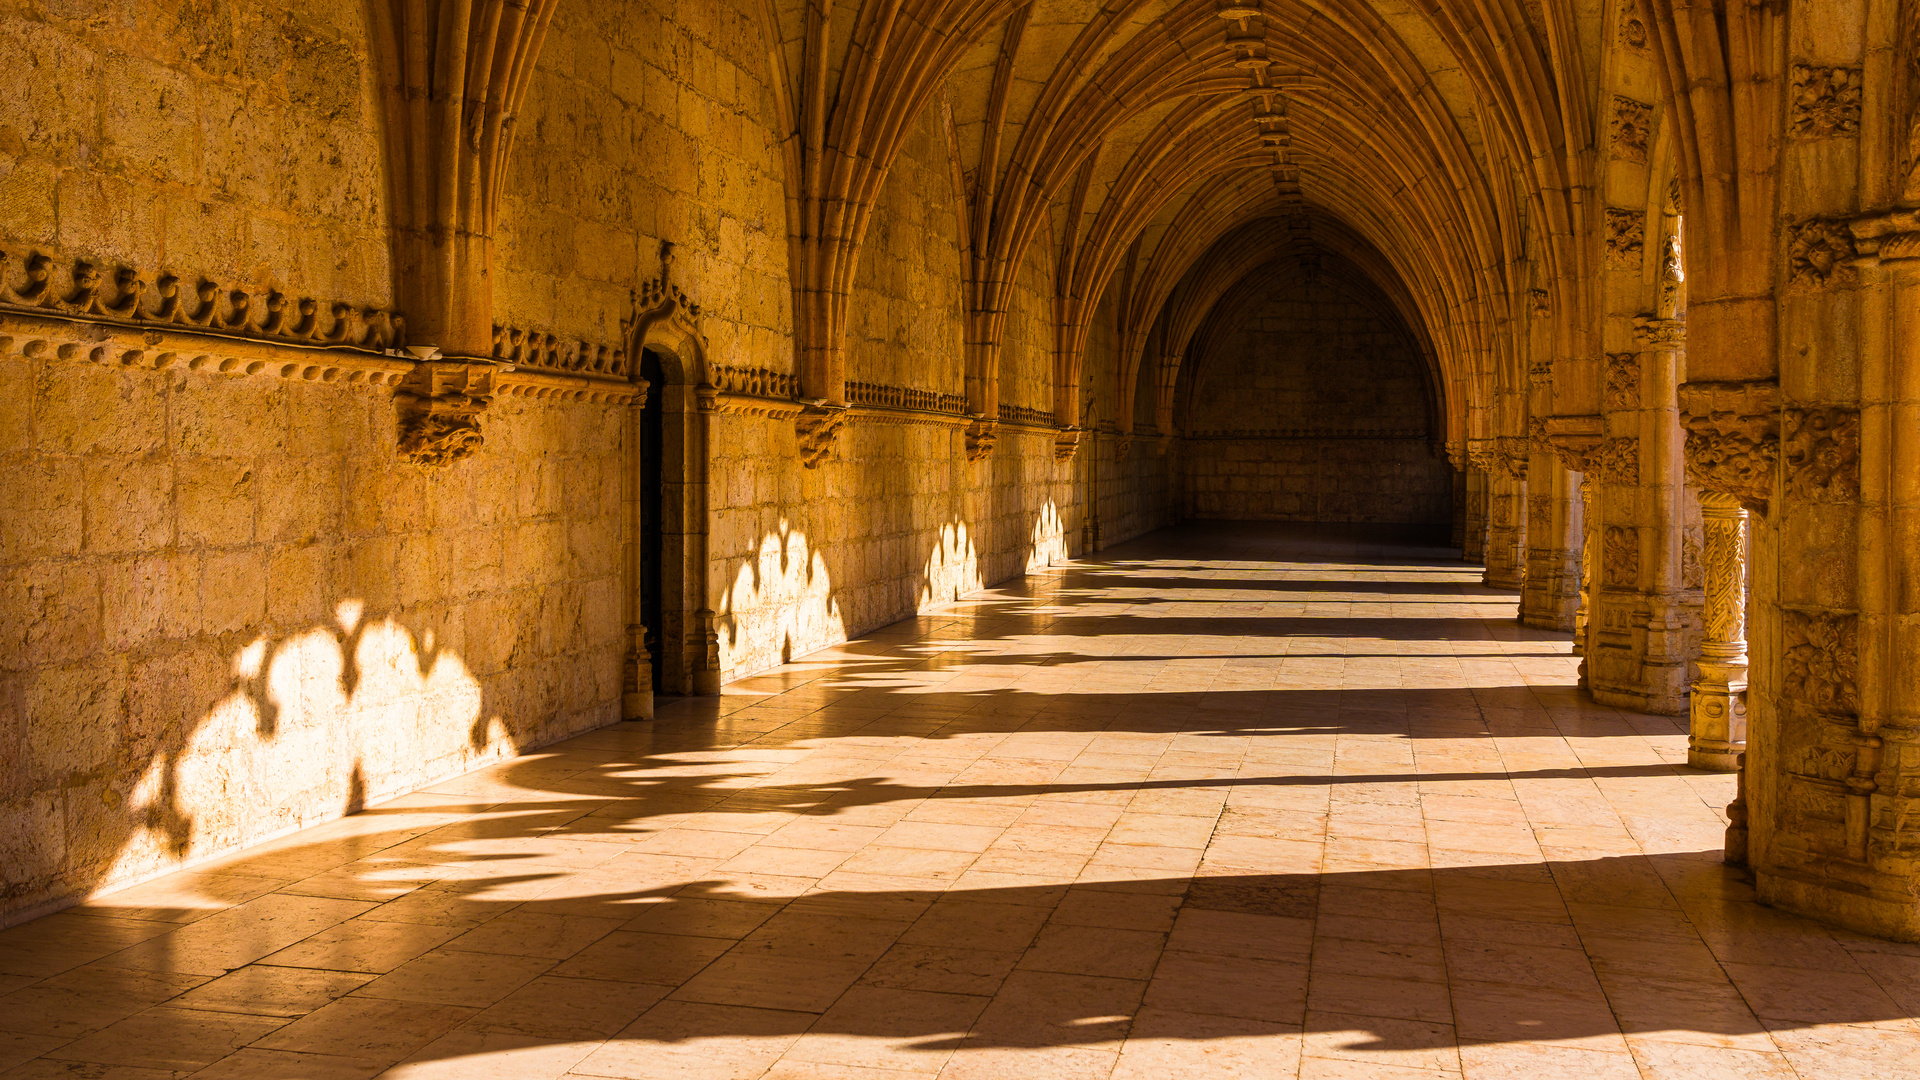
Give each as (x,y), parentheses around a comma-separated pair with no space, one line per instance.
(1554,534)
(1718,731)
(1589,564)
(1506,557)
(1474,548)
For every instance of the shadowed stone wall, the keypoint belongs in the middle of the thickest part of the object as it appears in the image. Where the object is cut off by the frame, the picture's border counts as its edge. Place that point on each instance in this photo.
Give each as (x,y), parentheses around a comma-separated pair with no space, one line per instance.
(1312,406)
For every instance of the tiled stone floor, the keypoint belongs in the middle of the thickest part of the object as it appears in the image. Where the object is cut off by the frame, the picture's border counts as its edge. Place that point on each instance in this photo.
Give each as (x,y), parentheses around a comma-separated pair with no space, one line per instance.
(1244,802)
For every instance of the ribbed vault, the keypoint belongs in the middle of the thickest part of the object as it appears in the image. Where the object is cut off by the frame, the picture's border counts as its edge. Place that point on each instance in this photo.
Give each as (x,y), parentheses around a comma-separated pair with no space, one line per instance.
(1430,145)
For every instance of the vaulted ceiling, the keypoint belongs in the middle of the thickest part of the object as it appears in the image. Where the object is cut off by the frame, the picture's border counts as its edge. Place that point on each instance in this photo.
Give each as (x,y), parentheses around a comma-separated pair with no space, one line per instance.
(1149,143)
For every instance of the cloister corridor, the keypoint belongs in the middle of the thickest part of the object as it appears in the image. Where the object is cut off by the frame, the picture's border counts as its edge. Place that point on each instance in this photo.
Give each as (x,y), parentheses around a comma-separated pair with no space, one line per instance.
(1234,800)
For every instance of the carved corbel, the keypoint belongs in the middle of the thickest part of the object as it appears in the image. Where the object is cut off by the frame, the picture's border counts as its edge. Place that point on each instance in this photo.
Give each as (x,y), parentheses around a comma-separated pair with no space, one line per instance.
(1510,454)
(1659,335)
(818,427)
(1733,438)
(440,405)
(981,433)
(1066,443)
(1480,455)
(1575,440)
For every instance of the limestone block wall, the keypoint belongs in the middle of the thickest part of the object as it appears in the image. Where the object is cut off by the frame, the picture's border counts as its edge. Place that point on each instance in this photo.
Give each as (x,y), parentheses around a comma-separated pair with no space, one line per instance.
(227,610)
(1312,406)
(235,141)
(1393,481)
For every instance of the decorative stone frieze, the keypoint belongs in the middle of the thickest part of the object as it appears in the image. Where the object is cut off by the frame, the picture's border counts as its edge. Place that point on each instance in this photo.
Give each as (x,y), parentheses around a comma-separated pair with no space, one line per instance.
(91,291)
(1025,417)
(1620,556)
(1733,438)
(1822,450)
(1693,572)
(741,391)
(1623,381)
(1826,102)
(1818,250)
(880,395)
(548,352)
(1626,237)
(1632,122)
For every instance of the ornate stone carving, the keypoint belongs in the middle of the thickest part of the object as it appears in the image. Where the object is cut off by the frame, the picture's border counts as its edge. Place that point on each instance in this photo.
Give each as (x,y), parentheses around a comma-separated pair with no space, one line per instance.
(981,434)
(1626,236)
(1660,335)
(1510,456)
(1066,443)
(1633,29)
(121,295)
(1890,236)
(1616,461)
(1817,248)
(1733,438)
(817,426)
(1673,274)
(1539,518)
(1620,556)
(1623,381)
(1693,572)
(1537,440)
(1819,660)
(1822,448)
(440,405)
(1576,441)
(1632,122)
(880,395)
(1540,302)
(1020,414)
(1826,102)
(1540,373)
(547,352)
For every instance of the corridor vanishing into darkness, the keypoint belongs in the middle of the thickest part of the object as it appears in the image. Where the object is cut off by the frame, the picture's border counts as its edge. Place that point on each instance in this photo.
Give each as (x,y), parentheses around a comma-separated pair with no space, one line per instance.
(1251,801)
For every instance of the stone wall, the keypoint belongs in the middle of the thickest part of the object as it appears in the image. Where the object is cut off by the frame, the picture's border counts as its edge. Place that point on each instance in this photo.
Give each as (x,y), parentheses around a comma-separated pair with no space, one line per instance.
(1311,405)
(228,610)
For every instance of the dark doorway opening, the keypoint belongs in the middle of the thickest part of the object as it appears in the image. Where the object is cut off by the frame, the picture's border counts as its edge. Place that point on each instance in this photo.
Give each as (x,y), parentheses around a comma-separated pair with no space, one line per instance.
(653,428)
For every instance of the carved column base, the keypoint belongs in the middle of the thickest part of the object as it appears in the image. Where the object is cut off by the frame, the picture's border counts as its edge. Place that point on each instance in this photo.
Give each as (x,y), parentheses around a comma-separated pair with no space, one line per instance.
(636,698)
(706,673)
(1717,724)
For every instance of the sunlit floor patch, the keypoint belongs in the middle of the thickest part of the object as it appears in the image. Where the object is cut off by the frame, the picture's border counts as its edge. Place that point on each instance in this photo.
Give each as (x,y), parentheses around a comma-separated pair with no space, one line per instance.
(1250,802)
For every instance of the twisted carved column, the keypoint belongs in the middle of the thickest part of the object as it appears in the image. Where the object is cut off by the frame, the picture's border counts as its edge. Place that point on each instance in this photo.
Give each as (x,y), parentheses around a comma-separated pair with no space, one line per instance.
(1718,731)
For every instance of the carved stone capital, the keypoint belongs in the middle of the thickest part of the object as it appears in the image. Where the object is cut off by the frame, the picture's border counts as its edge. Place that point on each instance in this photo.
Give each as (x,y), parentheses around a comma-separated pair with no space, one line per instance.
(818,427)
(981,434)
(1733,438)
(440,405)
(1616,461)
(1480,455)
(1660,334)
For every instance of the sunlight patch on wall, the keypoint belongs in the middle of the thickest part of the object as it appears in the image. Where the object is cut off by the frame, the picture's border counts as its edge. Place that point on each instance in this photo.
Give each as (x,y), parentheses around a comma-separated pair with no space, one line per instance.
(318,723)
